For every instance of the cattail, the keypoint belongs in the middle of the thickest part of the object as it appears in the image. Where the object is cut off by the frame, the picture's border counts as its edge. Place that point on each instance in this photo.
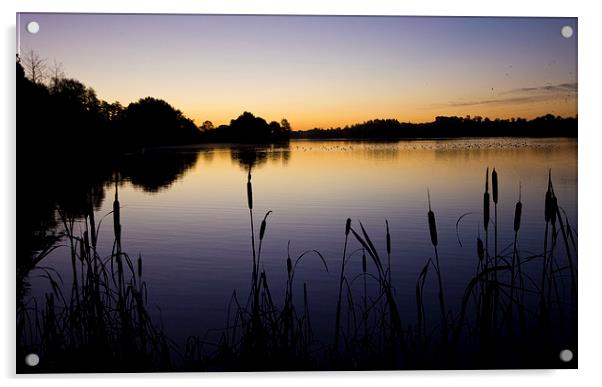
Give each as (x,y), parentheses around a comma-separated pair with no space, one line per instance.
(289,266)
(486,201)
(494,185)
(553,209)
(432,224)
(347,226)
(388,239)
(364,263)
(480,249)
(549,197)
(548,208)
(263,225)
(249,192)
(116,215)
(262,229)
(517,213)
(139,266)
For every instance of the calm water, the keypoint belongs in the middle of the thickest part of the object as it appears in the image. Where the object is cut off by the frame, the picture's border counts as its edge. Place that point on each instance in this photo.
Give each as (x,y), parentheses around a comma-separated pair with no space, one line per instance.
(194,234)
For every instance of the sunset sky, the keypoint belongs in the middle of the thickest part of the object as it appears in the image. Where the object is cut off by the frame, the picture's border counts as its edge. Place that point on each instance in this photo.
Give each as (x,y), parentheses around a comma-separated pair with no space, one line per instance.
(318,71)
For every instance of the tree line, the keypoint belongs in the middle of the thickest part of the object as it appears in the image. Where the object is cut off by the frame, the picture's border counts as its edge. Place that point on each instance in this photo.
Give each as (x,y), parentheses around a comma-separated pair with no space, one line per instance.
(450,127)
(63,114)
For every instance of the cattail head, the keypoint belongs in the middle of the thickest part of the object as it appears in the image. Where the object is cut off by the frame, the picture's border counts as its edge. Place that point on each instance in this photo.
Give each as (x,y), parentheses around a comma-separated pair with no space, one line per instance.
(494,186)
(517,214)
(289,266)
(480,249)
(249,192)
(548,207)
(486,210)
(116,217)
(549,197)
(347,226)
(432,227)
(388,238)
(553,209)
(139,266)
(263,225)
(364,263)
(487,180)
(262,230)
(432,223)
(518,210)
(486,202)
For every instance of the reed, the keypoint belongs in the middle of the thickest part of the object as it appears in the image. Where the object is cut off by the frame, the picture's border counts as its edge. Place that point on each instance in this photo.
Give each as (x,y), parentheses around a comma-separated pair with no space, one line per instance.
(104,326)
(365,298)
(388,238)
(110,316)
(341,279)
(486,204)
(393,310)
(480,250)
(434,241)
(516,225)
(544,272)
(494,193)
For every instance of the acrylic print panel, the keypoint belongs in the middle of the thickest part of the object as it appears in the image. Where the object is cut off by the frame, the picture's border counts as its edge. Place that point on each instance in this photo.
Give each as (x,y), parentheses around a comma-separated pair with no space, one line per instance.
(257,193)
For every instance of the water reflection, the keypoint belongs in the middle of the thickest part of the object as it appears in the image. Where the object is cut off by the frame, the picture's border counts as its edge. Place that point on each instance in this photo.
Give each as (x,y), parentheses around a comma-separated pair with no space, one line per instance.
(156,170)
(250,157)
(194,236)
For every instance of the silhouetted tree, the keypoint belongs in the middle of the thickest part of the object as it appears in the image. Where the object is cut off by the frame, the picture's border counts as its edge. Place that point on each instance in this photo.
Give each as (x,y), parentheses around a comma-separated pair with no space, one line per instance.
(35,66)
(56,71)
(285,124)
(248,128)
(207,125)
(154,122)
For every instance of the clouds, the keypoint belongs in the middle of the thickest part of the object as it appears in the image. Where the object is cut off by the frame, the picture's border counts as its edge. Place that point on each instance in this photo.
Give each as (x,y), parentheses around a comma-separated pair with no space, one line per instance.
(562,87)
(523,95)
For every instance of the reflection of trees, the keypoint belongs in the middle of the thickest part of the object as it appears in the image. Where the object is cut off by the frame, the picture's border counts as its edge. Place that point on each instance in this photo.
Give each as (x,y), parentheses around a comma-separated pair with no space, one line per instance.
(157,169)
(80,187)
(250,157)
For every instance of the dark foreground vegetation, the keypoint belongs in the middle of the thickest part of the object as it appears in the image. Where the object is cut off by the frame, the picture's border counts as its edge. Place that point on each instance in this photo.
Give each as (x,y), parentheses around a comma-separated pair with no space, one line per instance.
(450,127)
(518,311)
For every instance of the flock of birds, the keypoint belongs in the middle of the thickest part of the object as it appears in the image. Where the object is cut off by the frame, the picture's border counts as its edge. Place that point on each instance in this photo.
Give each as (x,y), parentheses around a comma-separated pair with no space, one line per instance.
(427,145)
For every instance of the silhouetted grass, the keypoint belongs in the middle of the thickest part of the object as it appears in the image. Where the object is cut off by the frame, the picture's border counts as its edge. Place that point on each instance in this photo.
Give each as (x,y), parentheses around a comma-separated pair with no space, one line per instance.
(505,319)
(103,325)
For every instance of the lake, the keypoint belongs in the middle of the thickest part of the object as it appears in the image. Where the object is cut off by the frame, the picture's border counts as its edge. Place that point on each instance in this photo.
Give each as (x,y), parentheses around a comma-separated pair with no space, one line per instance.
(192,227)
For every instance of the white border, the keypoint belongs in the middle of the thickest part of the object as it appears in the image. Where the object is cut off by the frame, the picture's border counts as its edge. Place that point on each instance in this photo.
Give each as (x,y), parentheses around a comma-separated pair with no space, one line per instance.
(590,192)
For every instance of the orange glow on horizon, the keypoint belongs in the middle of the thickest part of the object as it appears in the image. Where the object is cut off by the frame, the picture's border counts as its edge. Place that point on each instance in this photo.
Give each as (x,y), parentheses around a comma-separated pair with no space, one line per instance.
(319,71)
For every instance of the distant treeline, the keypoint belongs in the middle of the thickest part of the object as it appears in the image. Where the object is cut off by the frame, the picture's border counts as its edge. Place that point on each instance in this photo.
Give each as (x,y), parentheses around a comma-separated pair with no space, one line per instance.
(450,127)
